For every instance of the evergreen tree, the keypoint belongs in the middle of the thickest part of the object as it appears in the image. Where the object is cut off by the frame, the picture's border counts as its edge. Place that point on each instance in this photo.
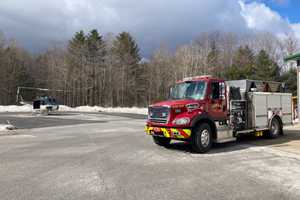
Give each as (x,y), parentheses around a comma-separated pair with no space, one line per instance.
(290,79)
(77,51)
(77,61)
(234,73)
(213,60)
(77,43)
(96,46)
(265,68)
(96,72)
(126,47)
(243,66)
(127,54)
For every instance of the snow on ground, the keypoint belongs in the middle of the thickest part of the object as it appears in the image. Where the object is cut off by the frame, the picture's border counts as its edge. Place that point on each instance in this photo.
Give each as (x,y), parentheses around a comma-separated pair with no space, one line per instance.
(28,108)
(14,108)
(6,127)
(134,110)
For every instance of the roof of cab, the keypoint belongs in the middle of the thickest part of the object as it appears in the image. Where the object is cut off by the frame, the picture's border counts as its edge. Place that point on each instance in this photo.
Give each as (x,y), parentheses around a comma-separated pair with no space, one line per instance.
(198,78)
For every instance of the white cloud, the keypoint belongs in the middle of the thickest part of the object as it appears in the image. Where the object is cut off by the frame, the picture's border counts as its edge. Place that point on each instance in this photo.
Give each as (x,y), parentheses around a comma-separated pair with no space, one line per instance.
(296,28)
(172,21)
(259,17)
(34,22)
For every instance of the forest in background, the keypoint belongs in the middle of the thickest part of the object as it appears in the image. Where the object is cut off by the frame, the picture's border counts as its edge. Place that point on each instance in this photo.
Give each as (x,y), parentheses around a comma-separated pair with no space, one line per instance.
(109,70)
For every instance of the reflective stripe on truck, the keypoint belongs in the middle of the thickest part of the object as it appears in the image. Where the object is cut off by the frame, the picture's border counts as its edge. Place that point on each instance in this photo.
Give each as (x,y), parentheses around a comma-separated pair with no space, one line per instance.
(176,133)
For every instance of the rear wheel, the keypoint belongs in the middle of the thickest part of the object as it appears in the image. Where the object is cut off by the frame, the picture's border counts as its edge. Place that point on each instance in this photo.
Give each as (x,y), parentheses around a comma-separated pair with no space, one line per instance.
(202,138)
(162,141)
(275,129)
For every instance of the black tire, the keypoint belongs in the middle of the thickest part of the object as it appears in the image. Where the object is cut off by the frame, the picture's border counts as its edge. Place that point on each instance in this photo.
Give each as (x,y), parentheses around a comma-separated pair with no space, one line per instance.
(275,129)
(162,141)
(202,138)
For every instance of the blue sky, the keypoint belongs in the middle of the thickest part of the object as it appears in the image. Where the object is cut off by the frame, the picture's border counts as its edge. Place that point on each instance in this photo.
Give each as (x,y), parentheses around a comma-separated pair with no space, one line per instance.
(289,9)
(37,24)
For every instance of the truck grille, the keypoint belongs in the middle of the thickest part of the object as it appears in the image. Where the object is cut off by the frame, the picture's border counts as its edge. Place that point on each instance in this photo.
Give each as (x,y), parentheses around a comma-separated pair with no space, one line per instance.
(159,114)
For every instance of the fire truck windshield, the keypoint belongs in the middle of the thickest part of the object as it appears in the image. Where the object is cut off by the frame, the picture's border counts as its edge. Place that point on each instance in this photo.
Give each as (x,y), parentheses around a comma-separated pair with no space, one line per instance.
(188,90)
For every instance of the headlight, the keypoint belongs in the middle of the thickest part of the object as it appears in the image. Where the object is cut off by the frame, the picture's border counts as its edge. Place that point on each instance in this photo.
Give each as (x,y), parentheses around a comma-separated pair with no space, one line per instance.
(181,121)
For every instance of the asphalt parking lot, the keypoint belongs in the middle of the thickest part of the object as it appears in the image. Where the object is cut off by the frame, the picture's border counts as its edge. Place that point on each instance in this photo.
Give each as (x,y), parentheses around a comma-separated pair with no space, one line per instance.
(108,156)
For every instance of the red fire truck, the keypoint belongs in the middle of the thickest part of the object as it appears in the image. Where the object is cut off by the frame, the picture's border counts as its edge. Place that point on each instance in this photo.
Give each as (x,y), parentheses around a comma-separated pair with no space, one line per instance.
(204,109)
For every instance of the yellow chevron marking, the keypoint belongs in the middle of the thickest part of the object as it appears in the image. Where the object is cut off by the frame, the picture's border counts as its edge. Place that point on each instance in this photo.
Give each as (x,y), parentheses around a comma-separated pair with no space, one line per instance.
(174,130)
(176,133)
(166,132)
(188,132)
(148,130)
(259,134)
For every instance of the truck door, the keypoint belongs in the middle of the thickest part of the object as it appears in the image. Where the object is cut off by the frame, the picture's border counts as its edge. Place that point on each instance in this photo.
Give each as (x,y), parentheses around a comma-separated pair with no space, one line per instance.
(217,103)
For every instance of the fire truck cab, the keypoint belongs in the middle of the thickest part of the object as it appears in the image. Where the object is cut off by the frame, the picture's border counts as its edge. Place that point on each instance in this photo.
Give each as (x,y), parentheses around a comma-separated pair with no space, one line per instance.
(204,109)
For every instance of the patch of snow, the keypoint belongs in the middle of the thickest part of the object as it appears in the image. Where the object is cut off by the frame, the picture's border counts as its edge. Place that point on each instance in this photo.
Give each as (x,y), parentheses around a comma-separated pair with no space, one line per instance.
(134,110)
(78,109)
(28,108)
(6,127)
(14,108)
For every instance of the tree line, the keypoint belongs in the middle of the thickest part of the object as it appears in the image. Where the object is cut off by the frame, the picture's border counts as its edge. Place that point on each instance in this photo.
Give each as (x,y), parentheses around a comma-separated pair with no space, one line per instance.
(109,70)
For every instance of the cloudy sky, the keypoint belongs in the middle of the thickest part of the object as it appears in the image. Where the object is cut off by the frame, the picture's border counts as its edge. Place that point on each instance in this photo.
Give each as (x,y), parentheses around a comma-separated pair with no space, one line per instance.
(35,24)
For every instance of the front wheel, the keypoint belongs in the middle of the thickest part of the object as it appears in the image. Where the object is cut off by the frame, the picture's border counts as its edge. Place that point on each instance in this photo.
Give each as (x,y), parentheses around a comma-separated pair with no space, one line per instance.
(162,141)
(202,138)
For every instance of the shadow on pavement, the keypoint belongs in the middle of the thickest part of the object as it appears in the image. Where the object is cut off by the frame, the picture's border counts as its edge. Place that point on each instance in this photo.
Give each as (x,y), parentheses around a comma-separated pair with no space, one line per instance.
(216,148)
(42,122)
(63,114)
(244,143)
(285,140)
(128,115)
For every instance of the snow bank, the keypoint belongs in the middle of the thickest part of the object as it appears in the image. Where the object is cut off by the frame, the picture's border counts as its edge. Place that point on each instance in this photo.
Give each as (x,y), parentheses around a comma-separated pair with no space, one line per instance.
(28,108)
(13,108)
(134,110)
(143,111)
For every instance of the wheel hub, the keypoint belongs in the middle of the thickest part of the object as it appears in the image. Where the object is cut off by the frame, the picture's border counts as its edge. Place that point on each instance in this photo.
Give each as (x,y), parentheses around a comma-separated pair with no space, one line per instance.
(205,138)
